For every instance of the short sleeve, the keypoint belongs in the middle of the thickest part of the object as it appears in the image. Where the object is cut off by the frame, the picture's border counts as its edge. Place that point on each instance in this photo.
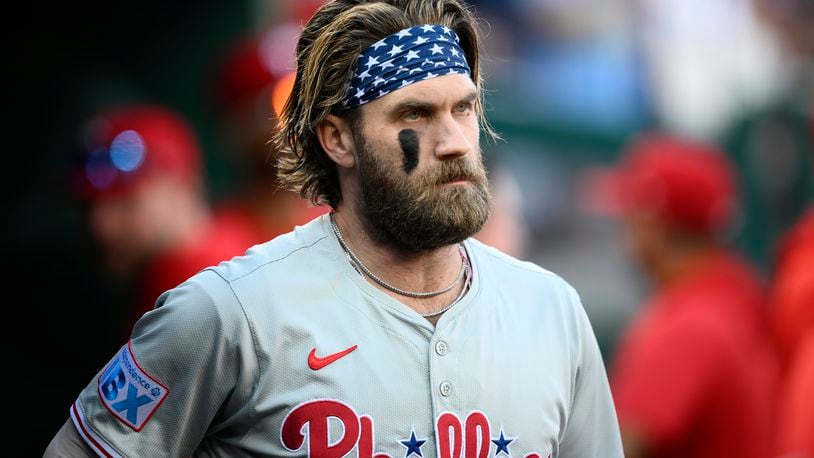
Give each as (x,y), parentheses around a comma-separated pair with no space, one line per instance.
(592,429)
(184,371)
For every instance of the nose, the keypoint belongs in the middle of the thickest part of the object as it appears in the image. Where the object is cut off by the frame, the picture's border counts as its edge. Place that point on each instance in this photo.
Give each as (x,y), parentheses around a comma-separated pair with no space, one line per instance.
(453,139)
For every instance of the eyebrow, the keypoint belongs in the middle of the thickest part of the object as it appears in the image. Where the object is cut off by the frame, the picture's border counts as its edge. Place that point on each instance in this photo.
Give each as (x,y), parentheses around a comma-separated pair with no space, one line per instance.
(413,104)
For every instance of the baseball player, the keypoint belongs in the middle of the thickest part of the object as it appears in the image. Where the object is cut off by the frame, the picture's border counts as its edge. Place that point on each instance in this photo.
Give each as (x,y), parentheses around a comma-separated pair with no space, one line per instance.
(141,177)
(694,373)
(381,329)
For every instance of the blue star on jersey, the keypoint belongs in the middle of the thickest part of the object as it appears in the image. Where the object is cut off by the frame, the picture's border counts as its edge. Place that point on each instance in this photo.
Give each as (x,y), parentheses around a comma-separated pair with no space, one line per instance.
(502,443)
(413,445)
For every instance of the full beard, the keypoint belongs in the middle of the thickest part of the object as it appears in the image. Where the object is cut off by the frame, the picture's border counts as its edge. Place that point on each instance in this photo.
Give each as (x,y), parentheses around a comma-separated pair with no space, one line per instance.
(415,214)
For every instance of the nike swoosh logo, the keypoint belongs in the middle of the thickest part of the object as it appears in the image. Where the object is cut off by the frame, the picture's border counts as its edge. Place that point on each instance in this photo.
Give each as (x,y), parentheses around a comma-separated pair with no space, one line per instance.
(316,363)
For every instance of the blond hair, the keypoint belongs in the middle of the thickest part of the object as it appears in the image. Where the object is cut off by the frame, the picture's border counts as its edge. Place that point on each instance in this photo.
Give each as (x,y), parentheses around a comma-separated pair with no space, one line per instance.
(327,53)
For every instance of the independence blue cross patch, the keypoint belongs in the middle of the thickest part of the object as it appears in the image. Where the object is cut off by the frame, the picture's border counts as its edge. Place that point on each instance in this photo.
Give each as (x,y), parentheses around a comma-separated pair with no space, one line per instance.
(128,392)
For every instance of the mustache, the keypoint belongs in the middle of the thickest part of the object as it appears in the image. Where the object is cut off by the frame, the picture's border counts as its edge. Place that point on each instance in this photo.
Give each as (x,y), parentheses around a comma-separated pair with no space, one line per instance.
(455,170)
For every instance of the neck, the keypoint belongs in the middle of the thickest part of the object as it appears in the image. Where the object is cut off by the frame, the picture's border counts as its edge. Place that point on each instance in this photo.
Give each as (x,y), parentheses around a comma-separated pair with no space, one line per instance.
(424,271)
(681,262)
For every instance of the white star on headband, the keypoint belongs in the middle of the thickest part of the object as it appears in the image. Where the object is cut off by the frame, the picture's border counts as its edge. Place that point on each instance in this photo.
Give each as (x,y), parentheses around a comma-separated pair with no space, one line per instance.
(378,81)
(420,41)
(404,33)
(371,61)
(378,44)
(412,55)
(364,74)
(394,50)
(436,49)
(430,75)
(428,28)
(386,64)
(446,30)
(454,52)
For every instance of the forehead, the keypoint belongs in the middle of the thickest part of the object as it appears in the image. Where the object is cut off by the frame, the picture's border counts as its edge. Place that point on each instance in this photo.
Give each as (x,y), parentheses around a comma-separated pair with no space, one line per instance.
(441,91)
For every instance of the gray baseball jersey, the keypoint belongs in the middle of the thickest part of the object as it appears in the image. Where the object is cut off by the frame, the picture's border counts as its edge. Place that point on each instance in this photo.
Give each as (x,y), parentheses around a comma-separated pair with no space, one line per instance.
(288,351)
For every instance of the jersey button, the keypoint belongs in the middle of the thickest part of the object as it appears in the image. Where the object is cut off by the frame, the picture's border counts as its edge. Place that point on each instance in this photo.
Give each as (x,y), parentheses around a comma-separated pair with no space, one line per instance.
(445,388)
(441,347)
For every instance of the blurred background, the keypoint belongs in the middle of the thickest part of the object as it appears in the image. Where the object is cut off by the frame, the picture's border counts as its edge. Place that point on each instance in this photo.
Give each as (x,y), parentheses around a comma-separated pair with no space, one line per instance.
(138,155)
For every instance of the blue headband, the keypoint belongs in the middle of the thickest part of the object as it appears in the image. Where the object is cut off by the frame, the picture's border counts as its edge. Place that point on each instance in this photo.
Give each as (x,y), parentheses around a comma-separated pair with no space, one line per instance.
(403,58)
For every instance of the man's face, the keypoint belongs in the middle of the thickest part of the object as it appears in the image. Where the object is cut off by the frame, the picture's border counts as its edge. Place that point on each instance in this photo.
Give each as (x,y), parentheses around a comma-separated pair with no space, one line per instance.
(130,228)
(647,240)
(422,182)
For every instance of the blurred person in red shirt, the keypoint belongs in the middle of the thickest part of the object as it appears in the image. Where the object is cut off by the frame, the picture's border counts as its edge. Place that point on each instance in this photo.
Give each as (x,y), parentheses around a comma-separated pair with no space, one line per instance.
(694,373)
(252,86)
(142,180)
(792,317)
(792,294)
(792,312)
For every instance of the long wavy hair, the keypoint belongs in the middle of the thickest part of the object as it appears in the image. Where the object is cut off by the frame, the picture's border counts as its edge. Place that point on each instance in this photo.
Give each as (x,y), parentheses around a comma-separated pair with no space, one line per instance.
(327,53)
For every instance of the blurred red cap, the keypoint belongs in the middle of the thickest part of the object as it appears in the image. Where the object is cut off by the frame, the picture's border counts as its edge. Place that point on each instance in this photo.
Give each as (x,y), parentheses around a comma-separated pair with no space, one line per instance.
(123,145)
(689,185)
(257,64)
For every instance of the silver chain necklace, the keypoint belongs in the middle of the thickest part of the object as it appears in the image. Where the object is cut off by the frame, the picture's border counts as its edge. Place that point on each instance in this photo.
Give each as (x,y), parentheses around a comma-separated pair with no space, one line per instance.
(358,264)
(460,296)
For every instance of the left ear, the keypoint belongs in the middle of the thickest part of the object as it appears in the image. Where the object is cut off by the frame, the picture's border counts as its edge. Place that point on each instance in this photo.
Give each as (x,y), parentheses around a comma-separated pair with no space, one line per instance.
(335,136)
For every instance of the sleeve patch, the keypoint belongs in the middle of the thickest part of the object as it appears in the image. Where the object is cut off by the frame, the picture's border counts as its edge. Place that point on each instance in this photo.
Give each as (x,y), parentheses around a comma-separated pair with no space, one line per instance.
(128,392)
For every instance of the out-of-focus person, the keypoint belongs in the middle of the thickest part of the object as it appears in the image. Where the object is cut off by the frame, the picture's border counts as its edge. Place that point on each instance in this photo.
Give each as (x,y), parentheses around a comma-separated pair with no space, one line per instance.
(252,86)
(694,373)
(147,212)
(792,312)
(791,304)
(506,228)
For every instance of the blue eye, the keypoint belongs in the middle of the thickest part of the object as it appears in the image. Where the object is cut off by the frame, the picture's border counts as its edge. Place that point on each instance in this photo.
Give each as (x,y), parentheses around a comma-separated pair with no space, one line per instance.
(414,115)
(464,107)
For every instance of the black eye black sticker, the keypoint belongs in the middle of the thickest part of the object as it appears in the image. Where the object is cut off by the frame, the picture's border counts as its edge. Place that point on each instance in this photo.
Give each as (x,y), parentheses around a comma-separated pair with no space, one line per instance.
(408,139)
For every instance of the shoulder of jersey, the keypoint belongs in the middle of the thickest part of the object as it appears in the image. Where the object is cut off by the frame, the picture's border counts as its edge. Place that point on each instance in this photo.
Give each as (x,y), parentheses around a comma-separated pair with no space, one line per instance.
(498,258)
(274,254)
(512,271)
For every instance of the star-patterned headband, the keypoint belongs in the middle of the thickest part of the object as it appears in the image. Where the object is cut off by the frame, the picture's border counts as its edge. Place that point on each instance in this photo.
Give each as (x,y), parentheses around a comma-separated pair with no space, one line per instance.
(403,58)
